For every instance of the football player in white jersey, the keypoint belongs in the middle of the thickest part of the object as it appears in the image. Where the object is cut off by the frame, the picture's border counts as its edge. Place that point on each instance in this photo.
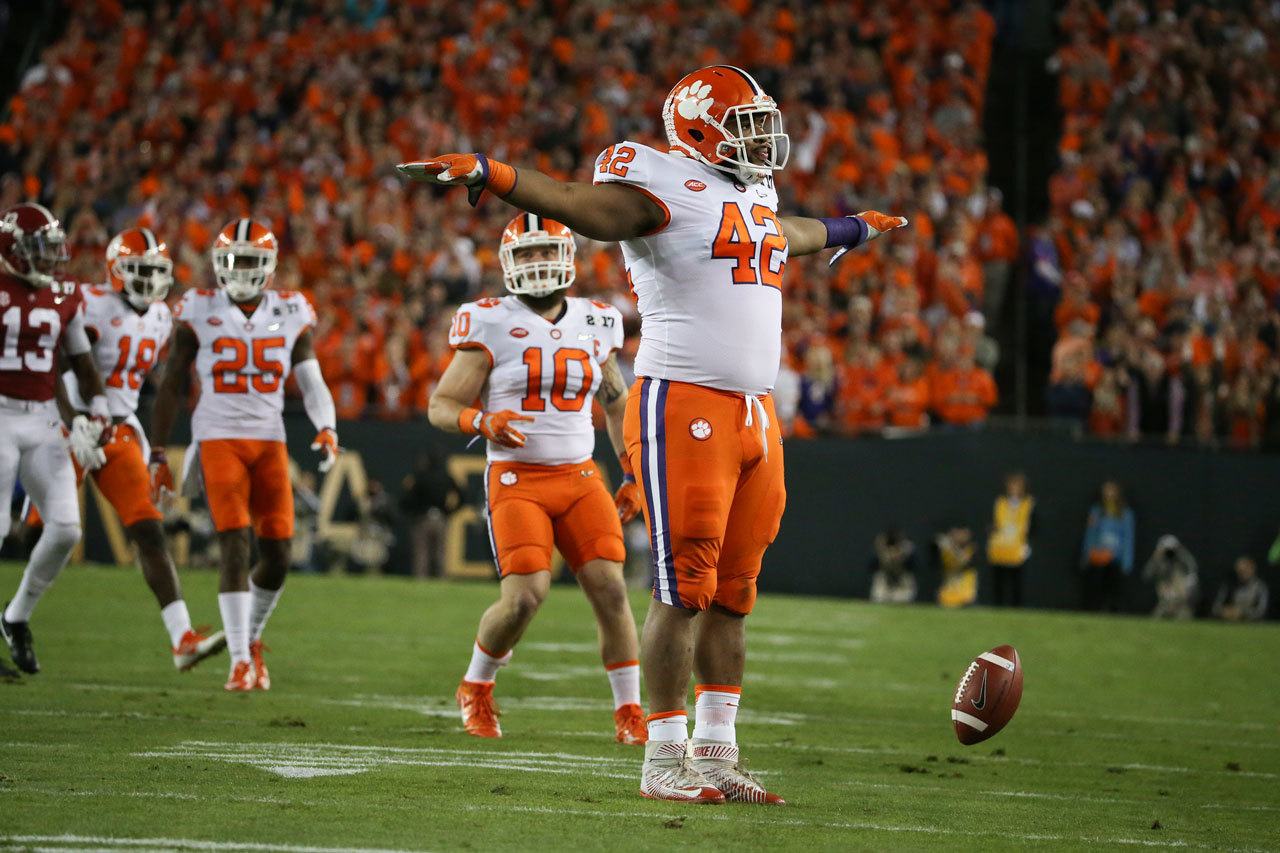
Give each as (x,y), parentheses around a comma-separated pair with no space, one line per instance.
(705,251)
(537,359)
(244,340)
(40,319)
(128,324)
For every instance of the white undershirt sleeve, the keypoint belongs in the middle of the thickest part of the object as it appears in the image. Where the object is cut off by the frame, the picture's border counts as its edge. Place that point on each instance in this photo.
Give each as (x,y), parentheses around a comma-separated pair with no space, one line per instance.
(315,395)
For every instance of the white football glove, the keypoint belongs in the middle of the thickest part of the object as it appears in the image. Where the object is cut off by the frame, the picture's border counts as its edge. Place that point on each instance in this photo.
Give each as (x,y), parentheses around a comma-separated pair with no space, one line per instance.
(85,440)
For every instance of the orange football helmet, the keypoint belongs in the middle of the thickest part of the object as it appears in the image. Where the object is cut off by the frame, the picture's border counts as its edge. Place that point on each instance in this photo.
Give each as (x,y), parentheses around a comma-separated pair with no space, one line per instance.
(536,276)
(720,116)
(244,258)
(139,267)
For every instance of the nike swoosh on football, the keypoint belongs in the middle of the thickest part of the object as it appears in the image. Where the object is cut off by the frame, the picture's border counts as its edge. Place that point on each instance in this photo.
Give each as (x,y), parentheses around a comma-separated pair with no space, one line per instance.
(981,701)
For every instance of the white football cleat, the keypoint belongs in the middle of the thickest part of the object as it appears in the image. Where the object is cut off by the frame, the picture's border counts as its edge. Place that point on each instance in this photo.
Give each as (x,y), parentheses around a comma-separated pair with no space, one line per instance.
(667,775)
(717,761)
(195,647)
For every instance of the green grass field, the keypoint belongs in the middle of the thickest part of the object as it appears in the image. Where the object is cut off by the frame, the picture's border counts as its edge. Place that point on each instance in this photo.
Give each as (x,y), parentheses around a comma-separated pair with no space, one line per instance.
(1130,732)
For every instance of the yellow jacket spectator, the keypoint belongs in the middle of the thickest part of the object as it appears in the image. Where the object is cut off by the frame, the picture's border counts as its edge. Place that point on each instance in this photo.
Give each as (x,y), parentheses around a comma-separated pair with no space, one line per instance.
(959,586)
(1009,545)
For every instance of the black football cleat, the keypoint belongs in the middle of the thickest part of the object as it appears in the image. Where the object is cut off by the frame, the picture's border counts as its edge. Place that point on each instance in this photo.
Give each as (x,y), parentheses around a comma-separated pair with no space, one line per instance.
(18,636)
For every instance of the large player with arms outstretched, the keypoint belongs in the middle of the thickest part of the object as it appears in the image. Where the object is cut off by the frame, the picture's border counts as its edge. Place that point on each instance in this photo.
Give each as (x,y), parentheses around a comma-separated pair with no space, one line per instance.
(128,324)
(539,358)
(244,340)
(705,251)
(40,317)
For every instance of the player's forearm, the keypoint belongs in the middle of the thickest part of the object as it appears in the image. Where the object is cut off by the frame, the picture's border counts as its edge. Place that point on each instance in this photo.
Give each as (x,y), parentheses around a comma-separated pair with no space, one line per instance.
(597,212)
(87,378)
(165,410)
(65,409)
(613,420)
(443,412)
(805,235)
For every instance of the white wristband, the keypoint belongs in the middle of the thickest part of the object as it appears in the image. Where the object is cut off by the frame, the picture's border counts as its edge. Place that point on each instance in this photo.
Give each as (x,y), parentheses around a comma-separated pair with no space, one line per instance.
(99,408)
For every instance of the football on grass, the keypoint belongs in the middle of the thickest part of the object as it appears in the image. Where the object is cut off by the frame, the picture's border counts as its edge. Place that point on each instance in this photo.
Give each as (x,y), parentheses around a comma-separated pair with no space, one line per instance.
(988,694)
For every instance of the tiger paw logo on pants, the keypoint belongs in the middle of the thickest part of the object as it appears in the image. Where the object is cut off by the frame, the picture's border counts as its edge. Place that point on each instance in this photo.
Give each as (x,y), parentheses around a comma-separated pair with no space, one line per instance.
(700,429)
(508,478)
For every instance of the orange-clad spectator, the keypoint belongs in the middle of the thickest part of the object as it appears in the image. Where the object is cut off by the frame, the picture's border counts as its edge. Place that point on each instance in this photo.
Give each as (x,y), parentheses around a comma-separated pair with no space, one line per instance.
(864,389)
(907,403)
(1075,304)
(963,395)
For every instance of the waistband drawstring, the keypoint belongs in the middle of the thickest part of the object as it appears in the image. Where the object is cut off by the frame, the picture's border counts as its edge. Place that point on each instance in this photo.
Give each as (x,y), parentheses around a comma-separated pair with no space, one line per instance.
(755,406)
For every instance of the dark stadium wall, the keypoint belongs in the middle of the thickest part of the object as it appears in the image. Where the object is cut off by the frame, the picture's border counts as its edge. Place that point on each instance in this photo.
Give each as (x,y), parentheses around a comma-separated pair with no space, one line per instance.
(840,494)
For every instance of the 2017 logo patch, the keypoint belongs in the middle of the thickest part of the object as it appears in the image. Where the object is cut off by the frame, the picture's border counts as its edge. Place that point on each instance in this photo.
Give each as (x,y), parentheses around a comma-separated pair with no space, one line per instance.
(700,428)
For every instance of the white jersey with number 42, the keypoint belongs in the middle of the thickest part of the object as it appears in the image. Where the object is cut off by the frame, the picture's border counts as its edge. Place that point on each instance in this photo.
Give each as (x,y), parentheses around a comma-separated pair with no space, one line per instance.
(126,346)
(548,371)
(709,280)
(243,361)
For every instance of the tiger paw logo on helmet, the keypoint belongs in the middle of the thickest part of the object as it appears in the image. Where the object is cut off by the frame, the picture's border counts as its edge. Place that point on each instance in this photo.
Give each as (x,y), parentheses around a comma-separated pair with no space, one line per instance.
(693,101)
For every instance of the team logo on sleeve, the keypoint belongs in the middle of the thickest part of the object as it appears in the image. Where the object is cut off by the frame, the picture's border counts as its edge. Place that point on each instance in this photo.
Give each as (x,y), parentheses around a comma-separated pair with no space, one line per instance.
(700,429)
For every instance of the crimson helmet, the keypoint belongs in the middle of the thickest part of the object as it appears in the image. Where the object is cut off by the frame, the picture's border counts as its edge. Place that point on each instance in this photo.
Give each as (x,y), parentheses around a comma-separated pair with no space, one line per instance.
(32,243)
(718,114)
(536,277)
(244,258)
(139,267)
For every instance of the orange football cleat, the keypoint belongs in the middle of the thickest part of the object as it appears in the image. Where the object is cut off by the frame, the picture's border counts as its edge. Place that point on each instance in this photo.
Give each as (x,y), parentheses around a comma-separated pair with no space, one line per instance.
(242,679)
(262,678)
(629,725)
(195,647)
(479,711)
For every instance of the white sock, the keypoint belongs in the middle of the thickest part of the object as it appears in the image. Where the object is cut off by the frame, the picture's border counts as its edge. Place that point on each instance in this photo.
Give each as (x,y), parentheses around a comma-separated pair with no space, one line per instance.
(235,622)
(674,727)
(47,559)
(177,621)
(715,713)
(264,603)
(484,666)
(624,678)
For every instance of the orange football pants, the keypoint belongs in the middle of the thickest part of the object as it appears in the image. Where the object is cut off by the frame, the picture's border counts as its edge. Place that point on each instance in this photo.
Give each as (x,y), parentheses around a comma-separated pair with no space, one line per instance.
(535,507)
(123,480)
(713,496)
(246,480)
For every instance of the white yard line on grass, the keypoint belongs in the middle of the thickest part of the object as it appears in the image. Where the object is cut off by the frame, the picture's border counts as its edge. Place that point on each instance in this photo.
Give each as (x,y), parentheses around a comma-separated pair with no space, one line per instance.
(108,842)
(311,760)
(739,817)
(148,795)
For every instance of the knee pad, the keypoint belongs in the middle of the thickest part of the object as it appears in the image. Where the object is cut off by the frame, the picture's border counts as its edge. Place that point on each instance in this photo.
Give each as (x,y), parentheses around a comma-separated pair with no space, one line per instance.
(737,595)
(694,580)
(60,535)
(705,517)
(524,560)
(275,527)
(608,547)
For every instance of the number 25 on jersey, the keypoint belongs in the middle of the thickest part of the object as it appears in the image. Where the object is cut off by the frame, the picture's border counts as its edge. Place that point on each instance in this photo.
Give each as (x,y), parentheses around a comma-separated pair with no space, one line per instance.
(755,262)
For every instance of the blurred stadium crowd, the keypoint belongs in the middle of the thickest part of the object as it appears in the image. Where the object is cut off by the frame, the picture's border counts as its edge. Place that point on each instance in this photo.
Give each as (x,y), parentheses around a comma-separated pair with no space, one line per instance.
(1157,271)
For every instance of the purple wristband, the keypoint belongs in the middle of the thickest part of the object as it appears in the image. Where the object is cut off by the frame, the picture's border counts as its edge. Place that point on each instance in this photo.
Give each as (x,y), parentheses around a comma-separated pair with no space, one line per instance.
(848,231)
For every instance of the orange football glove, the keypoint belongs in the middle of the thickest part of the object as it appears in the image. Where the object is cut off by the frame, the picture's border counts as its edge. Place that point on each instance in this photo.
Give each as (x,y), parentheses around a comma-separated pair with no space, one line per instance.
(879,223)
(326,441)
(161,477)
(628,497)
(476,172)
(495,426)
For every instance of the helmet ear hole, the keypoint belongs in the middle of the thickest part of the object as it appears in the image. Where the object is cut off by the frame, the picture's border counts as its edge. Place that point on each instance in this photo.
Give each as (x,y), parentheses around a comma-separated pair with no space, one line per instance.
(696,134)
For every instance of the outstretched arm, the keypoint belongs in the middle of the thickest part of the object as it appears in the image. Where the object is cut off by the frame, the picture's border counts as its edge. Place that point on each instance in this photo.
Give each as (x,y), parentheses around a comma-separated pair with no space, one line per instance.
(605,212)
(806,235)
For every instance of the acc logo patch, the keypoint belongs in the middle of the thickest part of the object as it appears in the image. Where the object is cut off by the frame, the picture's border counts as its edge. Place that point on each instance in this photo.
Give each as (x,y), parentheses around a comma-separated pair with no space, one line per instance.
(519,332)
(214,321)
(694,185)
(700,428)
(508,478)
(116,321)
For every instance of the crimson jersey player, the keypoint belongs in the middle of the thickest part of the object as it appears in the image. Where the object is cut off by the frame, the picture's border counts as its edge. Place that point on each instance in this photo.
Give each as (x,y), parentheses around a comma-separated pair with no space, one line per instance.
(40,317)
